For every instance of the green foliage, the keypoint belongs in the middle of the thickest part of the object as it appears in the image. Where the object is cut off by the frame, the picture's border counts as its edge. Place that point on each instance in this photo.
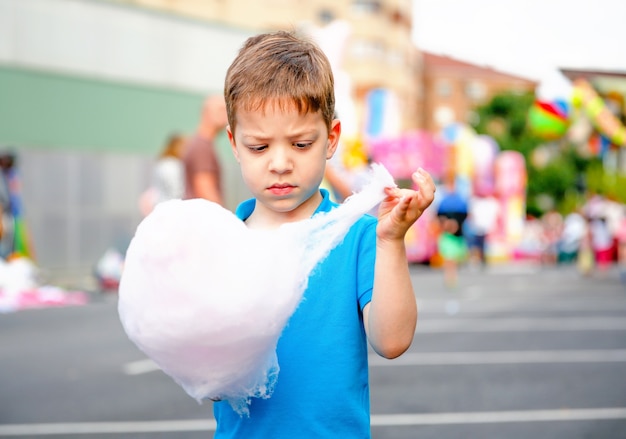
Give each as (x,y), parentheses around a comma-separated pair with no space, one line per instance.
(611,185)
(561,179)
(504,119)
(554,181)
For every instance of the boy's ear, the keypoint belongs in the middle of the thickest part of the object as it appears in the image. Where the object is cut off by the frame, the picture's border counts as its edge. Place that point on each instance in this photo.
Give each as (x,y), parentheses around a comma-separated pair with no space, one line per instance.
(333,138)
(231,139)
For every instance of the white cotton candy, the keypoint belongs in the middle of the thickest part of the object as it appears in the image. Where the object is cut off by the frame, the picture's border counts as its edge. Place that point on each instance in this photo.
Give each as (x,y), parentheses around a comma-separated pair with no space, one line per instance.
(206,298)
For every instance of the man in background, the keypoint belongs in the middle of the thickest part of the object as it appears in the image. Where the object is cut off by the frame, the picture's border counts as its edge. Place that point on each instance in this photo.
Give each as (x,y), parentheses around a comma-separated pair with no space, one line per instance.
(202,167)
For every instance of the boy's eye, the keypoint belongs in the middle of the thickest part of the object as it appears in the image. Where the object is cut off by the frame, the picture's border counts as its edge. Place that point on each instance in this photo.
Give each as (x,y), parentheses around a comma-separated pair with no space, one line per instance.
(257,148)
(302,145)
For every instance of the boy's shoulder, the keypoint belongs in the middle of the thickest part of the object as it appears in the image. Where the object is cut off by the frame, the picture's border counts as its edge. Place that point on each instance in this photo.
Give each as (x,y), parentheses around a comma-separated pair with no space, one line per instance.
(245,209)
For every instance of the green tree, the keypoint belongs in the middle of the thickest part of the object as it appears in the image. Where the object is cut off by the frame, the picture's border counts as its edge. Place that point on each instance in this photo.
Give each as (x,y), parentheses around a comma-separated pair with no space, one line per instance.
(504,119)
(559,178)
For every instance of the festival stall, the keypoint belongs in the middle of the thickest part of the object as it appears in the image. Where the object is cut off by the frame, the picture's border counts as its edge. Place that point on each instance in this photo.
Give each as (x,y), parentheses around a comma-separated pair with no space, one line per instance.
(403,155)
(475,166)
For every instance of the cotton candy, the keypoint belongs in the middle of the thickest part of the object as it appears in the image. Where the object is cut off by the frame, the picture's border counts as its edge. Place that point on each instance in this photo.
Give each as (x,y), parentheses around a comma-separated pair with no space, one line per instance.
(206,298)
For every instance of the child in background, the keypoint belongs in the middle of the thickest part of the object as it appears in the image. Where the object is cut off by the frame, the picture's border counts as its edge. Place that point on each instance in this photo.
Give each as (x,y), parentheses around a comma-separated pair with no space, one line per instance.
(601,244)
(168,174)
(620,235)
(453,250)
(280,103)
(168,181)
(585,260)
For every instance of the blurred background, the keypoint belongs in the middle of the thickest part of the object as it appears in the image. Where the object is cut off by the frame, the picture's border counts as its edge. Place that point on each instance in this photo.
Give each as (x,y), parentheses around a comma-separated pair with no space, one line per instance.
(515,107)
(508,103)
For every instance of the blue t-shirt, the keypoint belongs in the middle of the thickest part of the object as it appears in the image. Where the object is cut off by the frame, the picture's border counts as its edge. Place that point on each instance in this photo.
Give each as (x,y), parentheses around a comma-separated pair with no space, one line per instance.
(322,389)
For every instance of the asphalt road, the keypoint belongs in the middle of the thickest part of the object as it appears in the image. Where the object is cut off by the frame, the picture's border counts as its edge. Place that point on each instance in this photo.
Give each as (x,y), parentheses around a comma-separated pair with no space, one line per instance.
(514,352)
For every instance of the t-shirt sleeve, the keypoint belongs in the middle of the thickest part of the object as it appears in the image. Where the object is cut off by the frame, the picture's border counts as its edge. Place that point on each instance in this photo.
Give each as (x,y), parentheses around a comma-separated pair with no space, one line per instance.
(200,159)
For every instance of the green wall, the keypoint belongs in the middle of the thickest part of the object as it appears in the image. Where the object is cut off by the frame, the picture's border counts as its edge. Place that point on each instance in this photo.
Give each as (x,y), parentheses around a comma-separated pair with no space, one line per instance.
(49,110)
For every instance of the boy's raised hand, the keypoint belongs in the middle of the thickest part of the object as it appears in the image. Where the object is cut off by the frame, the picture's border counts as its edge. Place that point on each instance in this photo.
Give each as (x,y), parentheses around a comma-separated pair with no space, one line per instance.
(403,207)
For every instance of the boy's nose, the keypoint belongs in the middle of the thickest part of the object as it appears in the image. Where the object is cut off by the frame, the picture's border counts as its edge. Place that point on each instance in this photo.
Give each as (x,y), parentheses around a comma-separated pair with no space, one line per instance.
(280,161)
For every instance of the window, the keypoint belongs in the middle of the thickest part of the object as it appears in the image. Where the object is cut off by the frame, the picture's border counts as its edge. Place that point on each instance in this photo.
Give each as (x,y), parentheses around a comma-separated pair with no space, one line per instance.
(366,6)
(443,115)
(444,89)
(395,57)
(476,91)
(325,16)
(367,49)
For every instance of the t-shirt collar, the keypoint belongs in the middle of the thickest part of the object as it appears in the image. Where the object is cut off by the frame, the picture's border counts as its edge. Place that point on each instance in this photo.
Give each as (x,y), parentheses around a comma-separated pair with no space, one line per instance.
(245,209)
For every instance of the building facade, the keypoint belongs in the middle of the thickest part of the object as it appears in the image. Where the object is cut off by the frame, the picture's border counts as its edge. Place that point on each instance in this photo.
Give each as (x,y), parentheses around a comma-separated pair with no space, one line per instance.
(453,88)
(378,54)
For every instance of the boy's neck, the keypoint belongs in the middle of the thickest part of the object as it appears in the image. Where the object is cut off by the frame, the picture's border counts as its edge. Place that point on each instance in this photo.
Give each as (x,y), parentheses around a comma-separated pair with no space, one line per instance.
(265,218)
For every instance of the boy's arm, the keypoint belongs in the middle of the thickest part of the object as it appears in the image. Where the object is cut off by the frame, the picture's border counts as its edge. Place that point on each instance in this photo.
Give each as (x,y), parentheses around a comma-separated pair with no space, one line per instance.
(205,185)
(391,316)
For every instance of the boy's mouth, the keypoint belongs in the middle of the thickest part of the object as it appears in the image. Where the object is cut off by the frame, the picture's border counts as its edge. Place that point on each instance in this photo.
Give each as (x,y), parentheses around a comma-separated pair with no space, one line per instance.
(281,189)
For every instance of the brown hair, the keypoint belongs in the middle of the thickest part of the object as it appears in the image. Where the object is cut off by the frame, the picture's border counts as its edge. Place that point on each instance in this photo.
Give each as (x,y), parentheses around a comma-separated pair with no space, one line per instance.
(173,147)
(284,67)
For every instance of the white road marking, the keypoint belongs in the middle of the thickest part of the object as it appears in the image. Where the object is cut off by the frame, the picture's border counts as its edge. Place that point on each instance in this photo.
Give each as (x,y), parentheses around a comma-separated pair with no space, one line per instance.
(70,428)
(107,427)
(502,357)
(517,324)
(486,325)
(140,367)
(474,302)
(498,417)
(461,358)
(514,269)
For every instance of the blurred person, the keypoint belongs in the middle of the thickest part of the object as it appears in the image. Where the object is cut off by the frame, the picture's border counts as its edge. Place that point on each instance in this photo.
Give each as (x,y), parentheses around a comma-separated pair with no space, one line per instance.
(614,213)
(201,164)
(454,206)
(452,248)
(552,227)
(336,183)
(574,230)
(336,179)
(6,212)
(168,176)
(340,181)
(16,241)
(483,213)
(530,245)
(601,243)
(585,260)
(451,244)
(594,206)
(620,235)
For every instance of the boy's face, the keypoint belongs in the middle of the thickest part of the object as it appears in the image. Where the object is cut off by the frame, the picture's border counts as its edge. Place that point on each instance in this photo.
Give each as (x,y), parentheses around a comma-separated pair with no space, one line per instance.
(282,155)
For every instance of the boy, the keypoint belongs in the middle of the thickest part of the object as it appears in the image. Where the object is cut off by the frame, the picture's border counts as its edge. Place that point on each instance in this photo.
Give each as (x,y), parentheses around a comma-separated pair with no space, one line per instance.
(280,104)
